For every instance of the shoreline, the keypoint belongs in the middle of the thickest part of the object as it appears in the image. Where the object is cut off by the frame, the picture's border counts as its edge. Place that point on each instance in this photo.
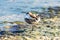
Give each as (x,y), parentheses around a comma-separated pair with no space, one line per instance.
(13,17)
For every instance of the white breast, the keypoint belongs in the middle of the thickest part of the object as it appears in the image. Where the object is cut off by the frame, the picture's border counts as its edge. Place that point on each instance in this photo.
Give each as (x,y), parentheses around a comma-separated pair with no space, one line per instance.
(27,16)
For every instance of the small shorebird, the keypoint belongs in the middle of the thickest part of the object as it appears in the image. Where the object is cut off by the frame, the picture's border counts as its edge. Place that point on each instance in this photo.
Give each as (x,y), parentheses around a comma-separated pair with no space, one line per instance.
(31,18)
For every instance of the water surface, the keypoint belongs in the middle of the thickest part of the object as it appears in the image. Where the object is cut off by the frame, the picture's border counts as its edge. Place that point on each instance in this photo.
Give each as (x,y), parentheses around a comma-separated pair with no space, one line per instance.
(14,10)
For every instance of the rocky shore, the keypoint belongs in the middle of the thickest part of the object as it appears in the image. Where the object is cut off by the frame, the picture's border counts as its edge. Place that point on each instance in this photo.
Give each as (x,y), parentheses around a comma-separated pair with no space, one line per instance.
(47,29)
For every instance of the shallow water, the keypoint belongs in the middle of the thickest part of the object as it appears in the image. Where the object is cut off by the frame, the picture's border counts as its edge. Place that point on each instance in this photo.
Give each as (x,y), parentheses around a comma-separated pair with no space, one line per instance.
(17,7)
(14,10)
